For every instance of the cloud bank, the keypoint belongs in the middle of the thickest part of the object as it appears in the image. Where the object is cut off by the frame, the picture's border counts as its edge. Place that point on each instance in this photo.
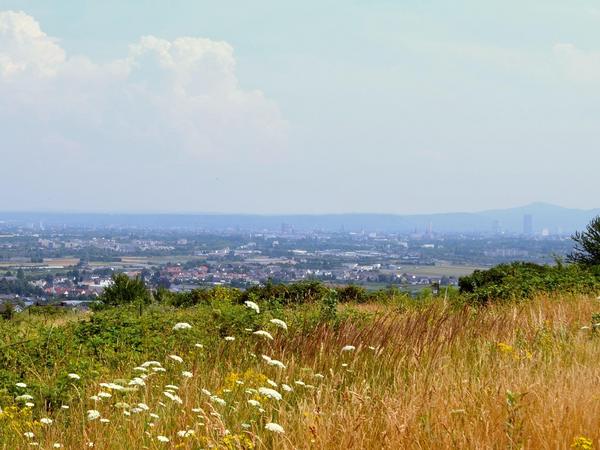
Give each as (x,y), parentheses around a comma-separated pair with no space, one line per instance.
(178,98)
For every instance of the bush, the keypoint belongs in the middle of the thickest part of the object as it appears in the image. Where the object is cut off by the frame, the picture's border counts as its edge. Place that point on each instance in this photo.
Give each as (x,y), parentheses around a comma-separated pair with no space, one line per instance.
(522,280)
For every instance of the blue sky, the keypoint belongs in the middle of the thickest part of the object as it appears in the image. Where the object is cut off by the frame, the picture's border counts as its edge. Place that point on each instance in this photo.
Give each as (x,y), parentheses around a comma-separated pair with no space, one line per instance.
(307,107)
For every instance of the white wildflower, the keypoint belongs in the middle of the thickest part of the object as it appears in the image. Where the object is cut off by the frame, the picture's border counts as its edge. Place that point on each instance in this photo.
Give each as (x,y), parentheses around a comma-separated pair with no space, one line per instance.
(286,388)
(30,405)
(104,395)
(271,382)
(280,323)
(112,386)
(93,414)
(21,385)
(254,403)
(104,420)
(73,376)
(270,393)
(348,348)
(46,421)
(137,381)
(182,326)
(154,416)
(252,305)
(173,397)
(57,445)
(274,427)
(29,435)
(229,338)
(24,397)
(151,364)
(143,406)
(179,359)
(162,438)
(199,345)
(218,400)
(263,333)
(187,374)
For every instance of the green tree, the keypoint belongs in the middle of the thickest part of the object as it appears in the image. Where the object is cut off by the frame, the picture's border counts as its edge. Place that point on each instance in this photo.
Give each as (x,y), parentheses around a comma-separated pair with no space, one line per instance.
(587,245)
(125,290)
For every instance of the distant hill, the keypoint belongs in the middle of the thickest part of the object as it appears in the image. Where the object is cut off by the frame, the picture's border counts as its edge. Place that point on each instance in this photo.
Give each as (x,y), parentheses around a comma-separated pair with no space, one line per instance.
(544,216)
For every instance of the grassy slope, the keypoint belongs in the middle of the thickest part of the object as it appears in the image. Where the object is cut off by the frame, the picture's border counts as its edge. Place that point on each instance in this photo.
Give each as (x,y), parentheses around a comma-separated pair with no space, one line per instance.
(504,376)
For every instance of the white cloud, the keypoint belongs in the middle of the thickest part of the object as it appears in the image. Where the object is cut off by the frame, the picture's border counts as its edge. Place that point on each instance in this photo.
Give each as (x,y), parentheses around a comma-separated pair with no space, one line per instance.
(180,97)
(578,65)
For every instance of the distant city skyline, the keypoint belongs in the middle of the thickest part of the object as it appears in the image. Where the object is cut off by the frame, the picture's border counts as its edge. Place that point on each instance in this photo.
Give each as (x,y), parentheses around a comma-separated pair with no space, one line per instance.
(298,108)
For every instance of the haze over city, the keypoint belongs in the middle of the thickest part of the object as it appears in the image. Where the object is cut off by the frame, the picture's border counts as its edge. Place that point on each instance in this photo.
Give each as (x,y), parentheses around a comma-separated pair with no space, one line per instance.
(303,107)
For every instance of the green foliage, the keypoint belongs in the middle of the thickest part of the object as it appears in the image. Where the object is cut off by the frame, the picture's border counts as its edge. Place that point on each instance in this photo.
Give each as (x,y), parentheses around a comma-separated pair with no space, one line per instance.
(587,245)
(329,306)
(522,280)
(125,290)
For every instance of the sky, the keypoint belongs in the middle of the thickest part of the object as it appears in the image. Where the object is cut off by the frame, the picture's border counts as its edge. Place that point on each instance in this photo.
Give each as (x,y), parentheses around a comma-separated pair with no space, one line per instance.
(317,106)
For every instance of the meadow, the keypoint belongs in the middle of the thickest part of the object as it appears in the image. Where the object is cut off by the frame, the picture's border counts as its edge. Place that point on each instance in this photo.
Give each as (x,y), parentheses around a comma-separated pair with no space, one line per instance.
(392,373)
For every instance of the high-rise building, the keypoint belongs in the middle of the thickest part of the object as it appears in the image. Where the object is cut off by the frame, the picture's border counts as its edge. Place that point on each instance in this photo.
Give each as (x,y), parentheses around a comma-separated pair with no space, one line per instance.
(528,224)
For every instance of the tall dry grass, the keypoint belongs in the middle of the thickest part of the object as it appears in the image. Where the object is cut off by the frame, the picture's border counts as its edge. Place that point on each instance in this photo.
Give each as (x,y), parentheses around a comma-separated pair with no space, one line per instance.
(506,376)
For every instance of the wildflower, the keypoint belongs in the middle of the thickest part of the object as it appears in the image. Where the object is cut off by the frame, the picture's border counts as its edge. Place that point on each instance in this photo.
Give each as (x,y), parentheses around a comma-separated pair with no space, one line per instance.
(137,381)
(274,427)
(319,375)
(263,333)
(154,416)
(197,410)
(246,425)
(140,369)
(280,323)
(582,443)
(179,359)
(252,305)
(229,338)
(21,385)
(159,369)
(182,326)
(57,445)
(218,400)
(172,386)
(64,406)
(23,397)
(372,348)
(122,405)
(112,386)
(162,438)
(187,374)
(46,421)
(286,388)
(276,363)
(73,376)
(104,395)
(505,348)
(92,414)
(254,403)
(30,405)
(185,433)
(103,420)
(173,397)
(143,406)
(300,383)
(90,444)
(206,392)
(270,393)
(151,364)
(199,345)
(348,348)
(29,435)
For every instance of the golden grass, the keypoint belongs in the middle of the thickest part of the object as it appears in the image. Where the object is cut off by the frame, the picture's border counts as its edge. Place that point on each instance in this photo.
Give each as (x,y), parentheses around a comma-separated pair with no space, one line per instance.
(507,376)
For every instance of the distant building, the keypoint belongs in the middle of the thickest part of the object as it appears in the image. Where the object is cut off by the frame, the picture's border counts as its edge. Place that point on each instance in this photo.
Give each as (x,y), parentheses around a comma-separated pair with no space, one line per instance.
(528,224)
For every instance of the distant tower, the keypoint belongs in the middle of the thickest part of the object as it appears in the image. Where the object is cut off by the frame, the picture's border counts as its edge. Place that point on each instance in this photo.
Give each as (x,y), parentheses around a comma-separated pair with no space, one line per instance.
(528,224)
